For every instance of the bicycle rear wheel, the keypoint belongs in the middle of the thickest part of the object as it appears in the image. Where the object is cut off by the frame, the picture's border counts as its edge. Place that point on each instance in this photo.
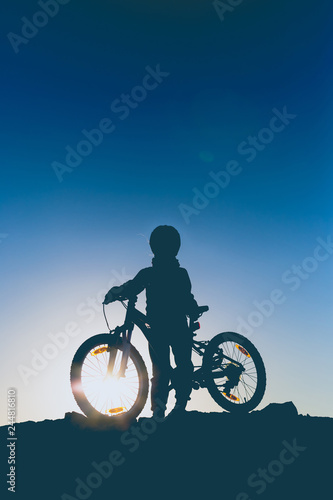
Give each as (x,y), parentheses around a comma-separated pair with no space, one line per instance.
(234,372)
(104,397)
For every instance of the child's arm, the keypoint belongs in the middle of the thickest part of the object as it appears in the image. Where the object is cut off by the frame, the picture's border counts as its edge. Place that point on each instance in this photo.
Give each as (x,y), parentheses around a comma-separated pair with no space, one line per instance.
(130,288)
(190,302)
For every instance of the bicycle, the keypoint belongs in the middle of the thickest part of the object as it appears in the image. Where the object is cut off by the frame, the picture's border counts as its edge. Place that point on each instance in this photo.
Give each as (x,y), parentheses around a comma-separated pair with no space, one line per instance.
(109,378)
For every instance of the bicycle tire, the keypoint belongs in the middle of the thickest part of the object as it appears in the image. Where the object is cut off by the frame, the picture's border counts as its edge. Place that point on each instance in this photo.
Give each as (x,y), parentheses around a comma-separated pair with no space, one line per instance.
(80,396)
(221,398)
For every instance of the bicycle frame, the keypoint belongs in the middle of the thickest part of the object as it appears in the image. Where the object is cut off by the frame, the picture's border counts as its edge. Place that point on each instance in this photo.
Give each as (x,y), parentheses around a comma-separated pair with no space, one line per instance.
(136,317)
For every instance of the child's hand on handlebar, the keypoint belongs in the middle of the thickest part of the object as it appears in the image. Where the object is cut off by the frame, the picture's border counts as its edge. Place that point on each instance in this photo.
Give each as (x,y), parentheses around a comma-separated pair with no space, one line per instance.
(112,295)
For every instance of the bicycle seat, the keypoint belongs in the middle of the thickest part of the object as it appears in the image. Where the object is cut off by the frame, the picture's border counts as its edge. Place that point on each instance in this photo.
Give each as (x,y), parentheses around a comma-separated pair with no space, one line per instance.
(202,309)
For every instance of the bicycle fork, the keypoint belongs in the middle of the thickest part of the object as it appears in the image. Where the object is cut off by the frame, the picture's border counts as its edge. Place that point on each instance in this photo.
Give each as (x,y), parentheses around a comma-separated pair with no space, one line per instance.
(127,335)
(126,350)
(125,342)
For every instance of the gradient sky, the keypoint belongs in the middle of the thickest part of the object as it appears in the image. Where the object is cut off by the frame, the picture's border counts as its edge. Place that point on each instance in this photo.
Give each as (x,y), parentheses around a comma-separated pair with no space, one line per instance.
(63,243)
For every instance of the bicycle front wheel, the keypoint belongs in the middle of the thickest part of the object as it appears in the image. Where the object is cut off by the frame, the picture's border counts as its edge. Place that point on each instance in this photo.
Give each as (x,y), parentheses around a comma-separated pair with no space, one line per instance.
(103,396)
(234,372)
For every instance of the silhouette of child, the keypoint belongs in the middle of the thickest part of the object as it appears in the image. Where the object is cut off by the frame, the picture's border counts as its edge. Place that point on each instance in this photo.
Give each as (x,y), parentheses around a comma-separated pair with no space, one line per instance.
(169,301)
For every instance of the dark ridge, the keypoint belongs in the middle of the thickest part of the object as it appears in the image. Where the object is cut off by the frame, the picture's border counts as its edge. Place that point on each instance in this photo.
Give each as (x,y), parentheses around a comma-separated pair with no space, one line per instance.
(269,454)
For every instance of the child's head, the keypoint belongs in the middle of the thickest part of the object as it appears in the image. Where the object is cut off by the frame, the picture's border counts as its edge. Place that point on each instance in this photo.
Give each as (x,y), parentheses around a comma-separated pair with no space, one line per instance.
(165,241)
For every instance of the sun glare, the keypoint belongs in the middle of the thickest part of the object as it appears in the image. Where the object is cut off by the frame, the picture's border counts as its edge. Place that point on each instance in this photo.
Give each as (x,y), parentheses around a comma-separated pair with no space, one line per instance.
(109,394)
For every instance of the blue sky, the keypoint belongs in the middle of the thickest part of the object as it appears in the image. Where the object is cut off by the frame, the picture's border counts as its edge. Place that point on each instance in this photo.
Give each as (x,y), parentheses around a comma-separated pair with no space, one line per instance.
(63,242)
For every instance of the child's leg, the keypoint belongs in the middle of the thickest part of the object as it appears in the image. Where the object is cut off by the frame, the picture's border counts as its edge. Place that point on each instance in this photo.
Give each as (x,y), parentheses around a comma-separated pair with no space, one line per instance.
(160,357)
(182,351)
